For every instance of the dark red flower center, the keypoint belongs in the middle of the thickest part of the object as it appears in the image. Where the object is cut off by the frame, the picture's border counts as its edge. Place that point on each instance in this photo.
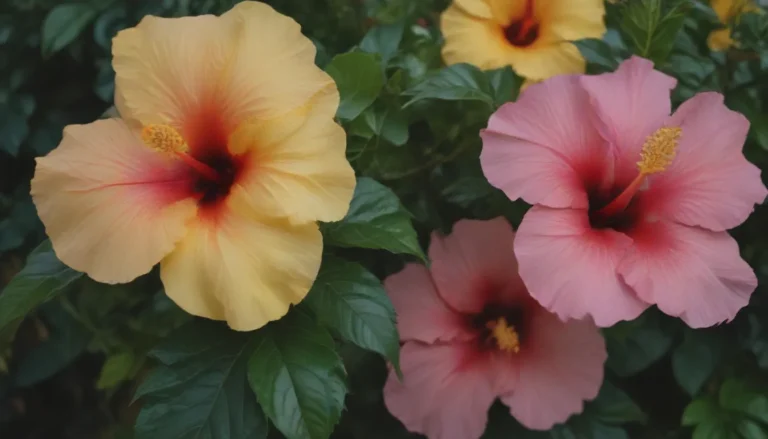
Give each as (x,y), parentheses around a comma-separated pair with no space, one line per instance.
(523,31)
(211,190)
(500,328)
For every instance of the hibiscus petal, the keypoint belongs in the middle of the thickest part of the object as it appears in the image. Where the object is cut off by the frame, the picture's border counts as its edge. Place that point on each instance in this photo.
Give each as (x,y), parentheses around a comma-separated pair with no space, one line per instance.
(112,207)
(688,272)
(542,147)
(561,368)
(205,75)
(630,104)
(297,164)
(468,39)
(571,269)
(571,20)
(444,394)
(475,265)
(242,267)
(421,313)
(709,183)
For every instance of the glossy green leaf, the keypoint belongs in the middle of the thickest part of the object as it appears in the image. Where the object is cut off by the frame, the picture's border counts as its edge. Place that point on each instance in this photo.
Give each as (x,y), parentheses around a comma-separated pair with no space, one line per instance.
(43,278)
(453,83)
(383,40)
(635,345)
(700,410)
(717,428)
(505,85)
(116,369)
(651,26)
(388,123)
(63,24)
(375,220)
(352,301)
(359,78)
(599,54)
(199,389)
(741,396)
(694,361)
(298,377)
(751,430)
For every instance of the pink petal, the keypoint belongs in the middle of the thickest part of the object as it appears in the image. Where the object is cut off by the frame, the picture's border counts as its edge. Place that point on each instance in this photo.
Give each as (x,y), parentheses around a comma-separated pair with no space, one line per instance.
(709,183)
(421,314)
(630,104)
(571,269)
(475,265)
(562,368)
(688,272)
(444,393)
(542,147)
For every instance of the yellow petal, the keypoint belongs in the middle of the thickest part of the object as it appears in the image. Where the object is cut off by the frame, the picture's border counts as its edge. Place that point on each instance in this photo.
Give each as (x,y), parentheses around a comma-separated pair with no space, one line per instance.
(571,20)
(112,207)
(217,71)
(298,166)
(720,39)
(469,39)
(476,8)
(242,268)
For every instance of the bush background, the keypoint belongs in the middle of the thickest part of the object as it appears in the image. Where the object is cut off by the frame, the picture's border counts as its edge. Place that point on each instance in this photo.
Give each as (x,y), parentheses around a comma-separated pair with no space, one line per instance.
(70,369)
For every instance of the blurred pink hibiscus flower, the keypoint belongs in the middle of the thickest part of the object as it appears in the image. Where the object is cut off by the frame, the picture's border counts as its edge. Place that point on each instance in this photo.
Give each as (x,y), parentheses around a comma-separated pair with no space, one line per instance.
(472,334)
(631,204)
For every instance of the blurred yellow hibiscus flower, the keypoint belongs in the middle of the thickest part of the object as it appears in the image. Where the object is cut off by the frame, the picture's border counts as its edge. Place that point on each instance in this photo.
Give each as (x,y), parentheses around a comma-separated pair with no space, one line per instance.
(534,37)
(728,11)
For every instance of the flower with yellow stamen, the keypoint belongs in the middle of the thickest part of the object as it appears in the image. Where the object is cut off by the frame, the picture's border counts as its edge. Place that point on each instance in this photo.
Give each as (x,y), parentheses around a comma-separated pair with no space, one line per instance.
(532,36)
(224,158)
(728,11)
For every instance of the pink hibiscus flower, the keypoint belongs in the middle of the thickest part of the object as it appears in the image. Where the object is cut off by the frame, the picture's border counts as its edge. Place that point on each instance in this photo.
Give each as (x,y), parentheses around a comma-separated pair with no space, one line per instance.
(631,205)
(472,334)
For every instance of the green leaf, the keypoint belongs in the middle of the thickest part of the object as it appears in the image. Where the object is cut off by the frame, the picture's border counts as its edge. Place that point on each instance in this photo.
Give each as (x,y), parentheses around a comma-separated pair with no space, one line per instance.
(700,410)
(635,345)
(375,220)
(352,301)
(505,85)
(717,428)
(738,395)
(14,127)
(694,361)
(66,342)
(613,406)
(298,377)
(598,53)
(751,430)
(43,278)
(359,78)
(383,40)
(453,83)
(379,120)
(651,26)
(116,369)
(199,390)
(63,24)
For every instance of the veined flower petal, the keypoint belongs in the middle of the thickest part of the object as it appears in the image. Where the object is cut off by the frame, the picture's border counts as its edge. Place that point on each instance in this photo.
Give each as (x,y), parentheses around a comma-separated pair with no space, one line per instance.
(242,267)
(297,162)
(205,75)
(112,207)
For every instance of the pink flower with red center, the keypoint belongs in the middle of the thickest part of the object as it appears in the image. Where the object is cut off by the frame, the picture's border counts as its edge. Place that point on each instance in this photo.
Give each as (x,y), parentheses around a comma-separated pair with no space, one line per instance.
(472,334)
(631,204)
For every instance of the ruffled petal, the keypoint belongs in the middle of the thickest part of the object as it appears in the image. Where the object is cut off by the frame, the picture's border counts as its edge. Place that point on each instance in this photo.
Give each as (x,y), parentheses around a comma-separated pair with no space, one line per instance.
(570,20)
(542,147)
(561,368)
(709,183)
(421,313)
(112,207)
(473,40)
(444,394)
(571,269)
(475,265)
(297,164)
(205,75)
(691,273)
(630,104)
(242,267)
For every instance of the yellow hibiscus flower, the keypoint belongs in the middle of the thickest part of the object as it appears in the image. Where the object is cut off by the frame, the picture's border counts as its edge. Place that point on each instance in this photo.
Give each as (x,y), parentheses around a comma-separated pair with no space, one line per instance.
(728,11)
(534,37)
(224,157)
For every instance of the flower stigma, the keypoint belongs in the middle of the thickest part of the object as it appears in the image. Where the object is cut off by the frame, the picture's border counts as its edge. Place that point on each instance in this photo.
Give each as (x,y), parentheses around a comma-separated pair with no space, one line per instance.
(505,335)
(656,155)
(165,138)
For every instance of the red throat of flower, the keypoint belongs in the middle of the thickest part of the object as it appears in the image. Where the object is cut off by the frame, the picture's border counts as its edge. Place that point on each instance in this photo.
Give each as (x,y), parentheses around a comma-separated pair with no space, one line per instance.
(525,30)
(657,153)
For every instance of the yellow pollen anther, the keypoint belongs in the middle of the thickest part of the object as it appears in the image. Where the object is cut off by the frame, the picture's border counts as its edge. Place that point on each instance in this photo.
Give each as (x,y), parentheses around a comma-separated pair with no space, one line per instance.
(507,338)
(659,150)
(163,138)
